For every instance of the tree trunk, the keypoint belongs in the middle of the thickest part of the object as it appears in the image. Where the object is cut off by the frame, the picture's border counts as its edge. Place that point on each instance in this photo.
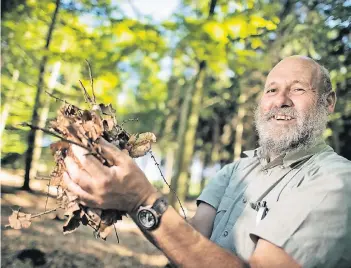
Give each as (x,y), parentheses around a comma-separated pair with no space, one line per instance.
(211,156)
(216,142)
(168,169)
(172,113)
(206,162)
(35,116)
(186,135)
(44,114)
(7,105)
(239,128)
(189,118)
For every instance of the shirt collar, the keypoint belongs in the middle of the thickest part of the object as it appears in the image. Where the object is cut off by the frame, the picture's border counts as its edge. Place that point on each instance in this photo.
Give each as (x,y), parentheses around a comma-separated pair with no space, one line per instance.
(297,156)
(291,158)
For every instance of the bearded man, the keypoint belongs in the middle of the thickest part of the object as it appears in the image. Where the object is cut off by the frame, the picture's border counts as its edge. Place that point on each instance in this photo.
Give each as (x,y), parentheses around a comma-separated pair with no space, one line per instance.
(287,204)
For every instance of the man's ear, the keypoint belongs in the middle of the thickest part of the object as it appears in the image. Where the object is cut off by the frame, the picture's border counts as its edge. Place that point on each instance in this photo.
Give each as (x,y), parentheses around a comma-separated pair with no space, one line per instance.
(331,100)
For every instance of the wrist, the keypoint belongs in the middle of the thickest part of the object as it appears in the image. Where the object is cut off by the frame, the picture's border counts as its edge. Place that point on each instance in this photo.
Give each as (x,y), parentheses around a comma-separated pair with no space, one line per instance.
(150,200)
(149,217)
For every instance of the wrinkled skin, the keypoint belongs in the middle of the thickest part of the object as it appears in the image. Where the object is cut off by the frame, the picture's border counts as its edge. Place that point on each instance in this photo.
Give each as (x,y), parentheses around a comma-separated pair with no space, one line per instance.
(292,112)
(122,186)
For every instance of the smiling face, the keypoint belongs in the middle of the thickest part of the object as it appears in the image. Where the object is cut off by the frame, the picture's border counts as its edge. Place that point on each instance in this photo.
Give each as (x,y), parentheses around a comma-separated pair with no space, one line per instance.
(291,113)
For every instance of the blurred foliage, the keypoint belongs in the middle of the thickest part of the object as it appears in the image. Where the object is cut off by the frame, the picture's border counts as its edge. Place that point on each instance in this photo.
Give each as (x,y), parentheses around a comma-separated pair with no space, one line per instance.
(145,67)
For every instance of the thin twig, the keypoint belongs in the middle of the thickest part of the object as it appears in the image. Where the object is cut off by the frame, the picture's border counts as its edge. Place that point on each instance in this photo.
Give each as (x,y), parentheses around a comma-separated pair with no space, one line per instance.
(43,213)
(114,226)
(86,95)
(24,124)
(113,115)
(47,195)
(62,138)
(91,81)
(42,178)
(58,99)
(117,127)
(17,210)
(169,186)
(129,120)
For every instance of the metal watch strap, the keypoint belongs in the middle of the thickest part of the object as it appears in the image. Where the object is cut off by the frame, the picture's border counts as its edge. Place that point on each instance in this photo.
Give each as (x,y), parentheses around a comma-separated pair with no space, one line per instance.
(160,205)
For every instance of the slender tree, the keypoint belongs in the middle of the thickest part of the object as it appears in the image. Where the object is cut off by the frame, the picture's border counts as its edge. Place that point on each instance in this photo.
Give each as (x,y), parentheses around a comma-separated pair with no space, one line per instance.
(187,128)
(32,139)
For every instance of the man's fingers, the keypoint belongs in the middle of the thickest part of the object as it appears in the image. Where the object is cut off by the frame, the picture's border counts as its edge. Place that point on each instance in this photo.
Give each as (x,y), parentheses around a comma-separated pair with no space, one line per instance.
(111,152)
(125,151)
(76,189)
(88,161)
(77,175)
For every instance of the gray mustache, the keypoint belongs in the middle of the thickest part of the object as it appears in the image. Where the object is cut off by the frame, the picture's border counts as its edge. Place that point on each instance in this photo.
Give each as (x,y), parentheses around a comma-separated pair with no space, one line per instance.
(281,111)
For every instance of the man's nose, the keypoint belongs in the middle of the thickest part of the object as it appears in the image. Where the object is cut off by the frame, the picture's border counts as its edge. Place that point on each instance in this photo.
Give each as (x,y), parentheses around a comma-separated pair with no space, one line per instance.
(282,99)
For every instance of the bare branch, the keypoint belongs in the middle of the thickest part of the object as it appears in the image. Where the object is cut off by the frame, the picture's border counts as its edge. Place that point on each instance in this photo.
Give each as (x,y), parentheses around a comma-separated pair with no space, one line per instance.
(60,137)
(86,95)
(43,213)
(114,226)
(169,186)
(42,178)
(58,99)
(129,120)
(91,81)
(47,195)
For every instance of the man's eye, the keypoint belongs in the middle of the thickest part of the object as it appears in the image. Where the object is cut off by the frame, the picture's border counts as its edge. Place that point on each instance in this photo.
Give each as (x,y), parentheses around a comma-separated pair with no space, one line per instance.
(298,91)
(271,90)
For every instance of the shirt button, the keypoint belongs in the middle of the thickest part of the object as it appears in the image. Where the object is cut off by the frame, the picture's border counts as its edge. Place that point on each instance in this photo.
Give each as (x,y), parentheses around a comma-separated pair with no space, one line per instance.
(244,200)
(225,233)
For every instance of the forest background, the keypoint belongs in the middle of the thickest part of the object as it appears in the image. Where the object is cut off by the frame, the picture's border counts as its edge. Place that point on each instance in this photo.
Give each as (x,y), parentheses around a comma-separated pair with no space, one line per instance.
(191,71)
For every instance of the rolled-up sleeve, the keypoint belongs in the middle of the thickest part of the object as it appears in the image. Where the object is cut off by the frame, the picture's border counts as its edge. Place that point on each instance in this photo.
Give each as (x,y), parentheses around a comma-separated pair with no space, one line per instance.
(214,190)
(313,223)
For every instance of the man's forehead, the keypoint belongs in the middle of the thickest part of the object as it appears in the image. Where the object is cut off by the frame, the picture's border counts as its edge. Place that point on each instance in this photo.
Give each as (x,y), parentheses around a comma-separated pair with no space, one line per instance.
(294,70)
(292,82)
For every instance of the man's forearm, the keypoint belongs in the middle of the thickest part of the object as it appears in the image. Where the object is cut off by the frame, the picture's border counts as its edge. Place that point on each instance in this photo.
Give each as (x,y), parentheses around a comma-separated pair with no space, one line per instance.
(186,247)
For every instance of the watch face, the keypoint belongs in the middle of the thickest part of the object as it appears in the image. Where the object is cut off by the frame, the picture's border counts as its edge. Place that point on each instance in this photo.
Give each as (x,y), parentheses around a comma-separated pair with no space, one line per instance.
(147,218)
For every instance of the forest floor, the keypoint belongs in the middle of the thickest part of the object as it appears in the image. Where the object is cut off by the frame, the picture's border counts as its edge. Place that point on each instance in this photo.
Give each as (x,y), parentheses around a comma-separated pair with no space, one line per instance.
(44,245)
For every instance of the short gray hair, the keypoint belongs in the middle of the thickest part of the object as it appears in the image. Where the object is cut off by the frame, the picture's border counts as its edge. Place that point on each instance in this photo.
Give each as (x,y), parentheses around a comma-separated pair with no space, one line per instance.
(325,82)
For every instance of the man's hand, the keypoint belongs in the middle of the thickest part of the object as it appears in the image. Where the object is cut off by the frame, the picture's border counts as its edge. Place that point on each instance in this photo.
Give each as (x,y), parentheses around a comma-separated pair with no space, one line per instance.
(122,186)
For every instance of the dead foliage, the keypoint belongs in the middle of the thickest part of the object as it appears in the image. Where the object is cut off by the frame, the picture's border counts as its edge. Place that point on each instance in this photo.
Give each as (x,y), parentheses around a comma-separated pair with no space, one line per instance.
(84,127)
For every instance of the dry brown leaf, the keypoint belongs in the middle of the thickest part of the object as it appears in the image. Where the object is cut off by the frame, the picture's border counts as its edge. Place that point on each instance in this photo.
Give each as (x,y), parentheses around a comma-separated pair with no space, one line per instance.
(107,109)
(139,145)
(105,230)
(94,217)
(72,207)
(59,145)
(140,150)
(72,223)
(147,136)
(108,124)
(19,220)
(85,127)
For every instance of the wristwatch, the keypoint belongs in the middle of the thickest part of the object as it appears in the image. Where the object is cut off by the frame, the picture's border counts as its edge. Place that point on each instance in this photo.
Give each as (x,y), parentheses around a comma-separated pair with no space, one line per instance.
(149,217)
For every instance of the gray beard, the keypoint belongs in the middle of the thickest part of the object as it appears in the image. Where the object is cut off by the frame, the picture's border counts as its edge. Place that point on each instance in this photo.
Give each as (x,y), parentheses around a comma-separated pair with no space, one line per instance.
(300,136)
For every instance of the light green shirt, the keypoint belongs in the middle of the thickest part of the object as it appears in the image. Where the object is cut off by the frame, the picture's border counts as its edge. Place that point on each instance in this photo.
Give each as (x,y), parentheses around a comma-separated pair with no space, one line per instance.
(308,195)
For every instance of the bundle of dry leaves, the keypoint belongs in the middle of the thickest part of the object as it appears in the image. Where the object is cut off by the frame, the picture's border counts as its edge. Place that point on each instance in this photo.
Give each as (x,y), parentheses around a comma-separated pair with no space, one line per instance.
(83,128)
